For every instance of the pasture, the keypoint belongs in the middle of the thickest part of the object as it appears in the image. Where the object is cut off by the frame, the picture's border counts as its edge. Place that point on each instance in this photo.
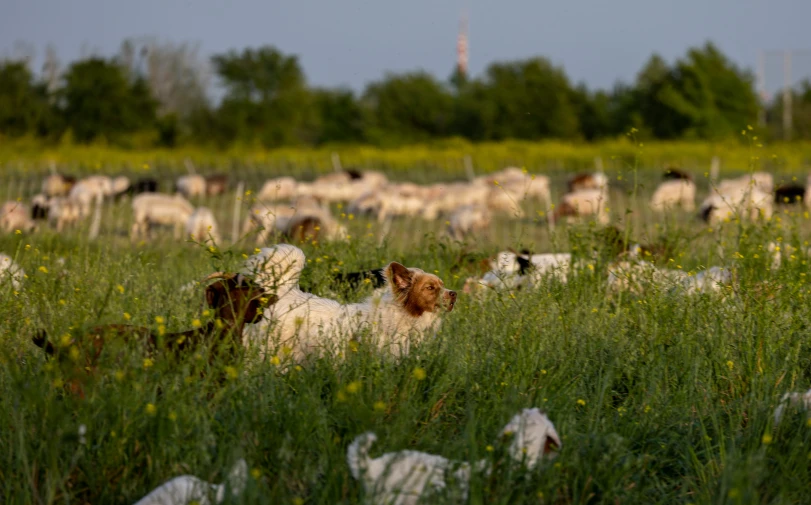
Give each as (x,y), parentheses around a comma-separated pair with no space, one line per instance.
(659,397)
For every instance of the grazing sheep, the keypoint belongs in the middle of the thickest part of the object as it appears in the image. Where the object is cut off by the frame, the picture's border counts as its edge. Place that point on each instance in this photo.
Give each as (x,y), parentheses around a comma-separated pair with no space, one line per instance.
(802,400)
(676,174)
(63,211)
(143,185)
(342,186)
(188,489)
(202,226)
(732,201)
(90,190)
(534,438)
(191,186)
(276,217)
(510,270)
(467,220)
(674,193)
(120,186)
(281,188)
(762,181)
(307,227)
(57,185)
(11,271)
(159,209)
(16,216)
(583,203)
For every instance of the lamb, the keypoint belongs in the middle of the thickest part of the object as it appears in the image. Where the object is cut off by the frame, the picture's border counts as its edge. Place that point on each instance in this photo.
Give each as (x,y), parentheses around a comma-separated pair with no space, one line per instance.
(202,226)
(155,208)
(188,489)
(90,190)
(580,182)
(16,216)
(11,272)
(674,193)
(288,219)
(469,219)
(191,186)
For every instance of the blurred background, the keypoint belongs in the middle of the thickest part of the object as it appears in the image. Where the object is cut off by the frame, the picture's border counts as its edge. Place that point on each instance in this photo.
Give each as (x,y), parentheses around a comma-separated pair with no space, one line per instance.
(263,75)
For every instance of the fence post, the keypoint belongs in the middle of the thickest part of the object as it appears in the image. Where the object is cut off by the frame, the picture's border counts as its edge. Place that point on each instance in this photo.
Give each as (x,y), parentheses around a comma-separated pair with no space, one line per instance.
(95,225)
(336,162)
(715,169)
(598,164)
(469,167)
(237,208)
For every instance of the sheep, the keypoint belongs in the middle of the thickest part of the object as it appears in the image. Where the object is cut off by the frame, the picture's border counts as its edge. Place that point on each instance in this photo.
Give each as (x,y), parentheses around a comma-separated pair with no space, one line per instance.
(270,218)
(802,400)
(674,193)
(11,272)
(190,489)
(191,186)
(16,216)
(582,203)
(762,181)
(63,211)
(342,186)
(57,185)
(202,226)
(736,200)
(89,190)
(155,208)
(308,227)
(282,188)
(469,219)
(788,194)
(519,184)
(120,186)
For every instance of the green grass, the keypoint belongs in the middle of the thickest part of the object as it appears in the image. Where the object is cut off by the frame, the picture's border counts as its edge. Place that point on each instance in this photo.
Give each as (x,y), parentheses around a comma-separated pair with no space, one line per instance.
(658,399)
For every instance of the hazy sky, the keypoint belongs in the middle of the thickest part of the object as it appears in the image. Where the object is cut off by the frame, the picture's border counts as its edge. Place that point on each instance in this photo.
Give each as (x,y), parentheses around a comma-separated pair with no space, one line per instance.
(350,42)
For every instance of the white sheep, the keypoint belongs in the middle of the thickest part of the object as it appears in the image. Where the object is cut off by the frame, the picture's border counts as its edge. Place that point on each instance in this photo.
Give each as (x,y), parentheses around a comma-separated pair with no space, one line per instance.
(731,201)
(202,226)
(64,211)
(16,216)
(469,219)
(11,271)
(584,203)
(191,186)
(802,400)
(674,193)
(188,489)
(281,188)
(159,209)
(57,185)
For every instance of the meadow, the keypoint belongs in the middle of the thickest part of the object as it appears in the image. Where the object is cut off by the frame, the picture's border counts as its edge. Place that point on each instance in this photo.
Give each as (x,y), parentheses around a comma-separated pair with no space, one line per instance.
(658,398)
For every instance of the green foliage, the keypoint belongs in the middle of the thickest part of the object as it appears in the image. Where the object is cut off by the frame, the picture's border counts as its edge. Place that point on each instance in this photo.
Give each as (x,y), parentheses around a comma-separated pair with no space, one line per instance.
(100,101)
(24,107)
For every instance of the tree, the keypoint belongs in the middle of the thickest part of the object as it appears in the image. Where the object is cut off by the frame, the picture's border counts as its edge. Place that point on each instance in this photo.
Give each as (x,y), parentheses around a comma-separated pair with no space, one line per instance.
(408,108)
(707,96)
(99,101)
(266,98)
(23,103)
(528,99)
(340,117)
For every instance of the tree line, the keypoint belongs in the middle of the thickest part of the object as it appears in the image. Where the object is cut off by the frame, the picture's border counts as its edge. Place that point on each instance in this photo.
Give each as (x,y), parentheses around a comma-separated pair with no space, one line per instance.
(159,94)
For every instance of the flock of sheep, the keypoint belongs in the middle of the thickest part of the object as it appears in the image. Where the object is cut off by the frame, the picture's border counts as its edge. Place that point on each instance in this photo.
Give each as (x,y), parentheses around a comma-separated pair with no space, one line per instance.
(299,210)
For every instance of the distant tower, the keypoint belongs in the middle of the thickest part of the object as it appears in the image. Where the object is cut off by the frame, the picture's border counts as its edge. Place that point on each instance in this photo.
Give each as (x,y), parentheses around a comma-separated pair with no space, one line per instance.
(462,48)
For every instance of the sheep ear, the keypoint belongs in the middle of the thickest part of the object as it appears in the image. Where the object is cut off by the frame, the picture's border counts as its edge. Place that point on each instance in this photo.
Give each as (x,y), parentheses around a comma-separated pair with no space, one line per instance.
(399,276)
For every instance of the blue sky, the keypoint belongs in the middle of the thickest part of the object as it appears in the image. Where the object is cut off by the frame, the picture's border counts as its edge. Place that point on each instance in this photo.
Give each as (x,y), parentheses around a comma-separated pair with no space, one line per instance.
(351,42)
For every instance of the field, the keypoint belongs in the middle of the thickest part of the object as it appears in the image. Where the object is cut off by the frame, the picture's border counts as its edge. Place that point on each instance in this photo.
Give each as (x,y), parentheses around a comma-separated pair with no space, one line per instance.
(658,398)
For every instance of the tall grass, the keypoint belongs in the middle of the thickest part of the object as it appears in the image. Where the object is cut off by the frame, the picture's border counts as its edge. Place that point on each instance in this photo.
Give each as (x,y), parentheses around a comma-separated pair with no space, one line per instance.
(659,398)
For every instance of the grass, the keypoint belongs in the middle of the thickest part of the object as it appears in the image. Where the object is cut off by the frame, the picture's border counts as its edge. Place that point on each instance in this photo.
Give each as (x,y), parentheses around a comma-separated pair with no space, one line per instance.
(658,399)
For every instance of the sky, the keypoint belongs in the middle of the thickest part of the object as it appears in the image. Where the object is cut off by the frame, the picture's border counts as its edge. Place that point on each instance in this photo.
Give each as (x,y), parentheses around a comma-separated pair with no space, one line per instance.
(352,42)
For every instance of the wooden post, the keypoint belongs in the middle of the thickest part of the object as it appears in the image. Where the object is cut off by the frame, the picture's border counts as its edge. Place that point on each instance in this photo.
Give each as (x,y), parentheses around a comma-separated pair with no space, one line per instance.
(237,208)
(189,166)
(468,162)
(598,164)
(715,169)
(336,162)
(95,225)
